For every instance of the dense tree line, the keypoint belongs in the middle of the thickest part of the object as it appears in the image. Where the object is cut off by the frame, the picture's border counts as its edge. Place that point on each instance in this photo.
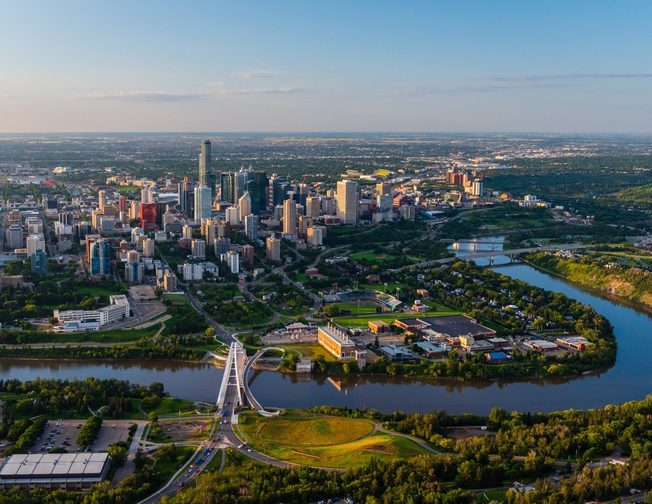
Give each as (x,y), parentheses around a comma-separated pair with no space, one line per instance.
(54,397)
(602,483)
(89,431)
(631,283)
(392,481)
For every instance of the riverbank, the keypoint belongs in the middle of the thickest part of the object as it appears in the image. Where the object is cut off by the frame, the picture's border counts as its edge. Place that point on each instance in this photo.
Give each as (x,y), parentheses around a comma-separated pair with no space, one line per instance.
(545,267)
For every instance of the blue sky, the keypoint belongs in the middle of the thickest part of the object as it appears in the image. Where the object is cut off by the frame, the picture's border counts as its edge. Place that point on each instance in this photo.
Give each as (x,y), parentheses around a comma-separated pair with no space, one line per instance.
(312,65)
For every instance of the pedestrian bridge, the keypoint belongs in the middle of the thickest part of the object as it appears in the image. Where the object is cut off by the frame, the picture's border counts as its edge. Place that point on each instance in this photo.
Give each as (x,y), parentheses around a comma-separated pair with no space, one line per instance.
(237,369)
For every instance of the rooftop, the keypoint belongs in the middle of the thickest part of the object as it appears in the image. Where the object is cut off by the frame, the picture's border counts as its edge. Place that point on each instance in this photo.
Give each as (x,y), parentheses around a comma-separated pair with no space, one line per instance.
(457,325)
(54,465)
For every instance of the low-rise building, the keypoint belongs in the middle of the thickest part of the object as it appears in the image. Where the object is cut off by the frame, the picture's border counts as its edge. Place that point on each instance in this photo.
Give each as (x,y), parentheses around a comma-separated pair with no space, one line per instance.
(378,326)
(304,366)
(433,350)
(574,342)
(396,353)
(336,341)
(119,309)
(54,471)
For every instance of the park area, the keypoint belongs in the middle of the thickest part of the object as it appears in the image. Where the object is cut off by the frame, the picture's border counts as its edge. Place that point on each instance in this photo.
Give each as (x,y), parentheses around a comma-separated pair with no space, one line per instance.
(322,441)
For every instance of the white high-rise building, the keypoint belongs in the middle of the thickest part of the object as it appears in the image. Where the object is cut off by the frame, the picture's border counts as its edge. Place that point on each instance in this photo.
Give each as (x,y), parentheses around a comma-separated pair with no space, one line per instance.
(478,187)
(35,242)
(186,232)
(347,202)
(251,227)
(233,261)
(203,202)
(244,205)
(290,217)
(232,215)
(192,272)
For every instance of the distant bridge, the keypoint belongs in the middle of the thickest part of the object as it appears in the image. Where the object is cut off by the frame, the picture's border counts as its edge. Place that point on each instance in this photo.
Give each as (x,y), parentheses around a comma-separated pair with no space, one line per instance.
(235,386)
(511,253)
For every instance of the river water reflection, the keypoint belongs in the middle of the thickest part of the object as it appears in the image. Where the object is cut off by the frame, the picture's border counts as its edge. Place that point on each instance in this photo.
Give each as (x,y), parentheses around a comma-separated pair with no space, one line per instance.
(629,379)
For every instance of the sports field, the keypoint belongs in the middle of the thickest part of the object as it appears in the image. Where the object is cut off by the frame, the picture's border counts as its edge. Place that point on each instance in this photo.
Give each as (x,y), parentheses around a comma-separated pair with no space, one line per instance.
(322,441)
(363,321)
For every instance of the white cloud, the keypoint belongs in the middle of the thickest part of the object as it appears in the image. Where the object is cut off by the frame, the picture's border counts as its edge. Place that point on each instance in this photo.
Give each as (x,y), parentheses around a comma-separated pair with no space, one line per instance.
(142,96)
(265,90)
(258,74)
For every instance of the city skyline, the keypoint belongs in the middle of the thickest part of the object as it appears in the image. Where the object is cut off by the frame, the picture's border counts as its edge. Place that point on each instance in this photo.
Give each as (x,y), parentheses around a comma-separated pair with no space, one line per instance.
(325,67)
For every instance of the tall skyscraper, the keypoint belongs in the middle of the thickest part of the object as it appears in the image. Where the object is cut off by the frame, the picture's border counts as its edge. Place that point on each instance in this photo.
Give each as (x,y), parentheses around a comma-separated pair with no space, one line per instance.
(239,183)
(203,202)
(290,217)
(226,187)
(244,206)
(347,202)
(233,260)
(149,216)
(40,263)
(101,200)
(313,206)
(100,257)
(206,177)
(251,227)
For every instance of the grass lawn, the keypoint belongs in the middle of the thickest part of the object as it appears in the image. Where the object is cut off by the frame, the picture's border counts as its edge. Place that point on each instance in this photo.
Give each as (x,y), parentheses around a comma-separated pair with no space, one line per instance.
(167,406)
(322,441)
(370,256)
(362,308)
(176,299)
(498,495)
(172,405)
(97,291)
(312,350)
(389,318)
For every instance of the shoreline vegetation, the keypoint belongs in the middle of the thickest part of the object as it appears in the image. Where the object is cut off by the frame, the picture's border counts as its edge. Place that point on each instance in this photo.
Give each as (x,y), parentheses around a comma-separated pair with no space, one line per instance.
(629,286)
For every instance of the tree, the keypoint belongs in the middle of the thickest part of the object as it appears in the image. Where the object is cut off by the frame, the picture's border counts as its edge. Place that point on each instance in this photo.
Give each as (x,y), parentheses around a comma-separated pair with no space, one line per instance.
(167,452)
(496,418)
(118,454)
(209,332)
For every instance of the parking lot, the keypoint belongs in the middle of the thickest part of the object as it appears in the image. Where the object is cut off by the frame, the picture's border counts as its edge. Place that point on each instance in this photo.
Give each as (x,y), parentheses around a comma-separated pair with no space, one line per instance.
(63,434)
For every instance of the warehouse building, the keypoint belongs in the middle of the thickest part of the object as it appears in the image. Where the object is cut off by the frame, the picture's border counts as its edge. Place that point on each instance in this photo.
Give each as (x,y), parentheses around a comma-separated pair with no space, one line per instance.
(54,471)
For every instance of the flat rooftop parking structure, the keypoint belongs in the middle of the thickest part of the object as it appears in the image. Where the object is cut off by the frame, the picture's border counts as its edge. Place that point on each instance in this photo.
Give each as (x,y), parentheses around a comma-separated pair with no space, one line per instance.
(457,325)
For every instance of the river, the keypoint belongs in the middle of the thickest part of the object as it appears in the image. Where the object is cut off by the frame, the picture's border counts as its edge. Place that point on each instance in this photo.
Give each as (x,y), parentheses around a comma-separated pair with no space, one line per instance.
(629,379)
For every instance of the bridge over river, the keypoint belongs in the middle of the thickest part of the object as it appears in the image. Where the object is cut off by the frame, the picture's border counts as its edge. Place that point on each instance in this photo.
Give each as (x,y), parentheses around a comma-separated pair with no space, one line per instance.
(235,390)
(511,253)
